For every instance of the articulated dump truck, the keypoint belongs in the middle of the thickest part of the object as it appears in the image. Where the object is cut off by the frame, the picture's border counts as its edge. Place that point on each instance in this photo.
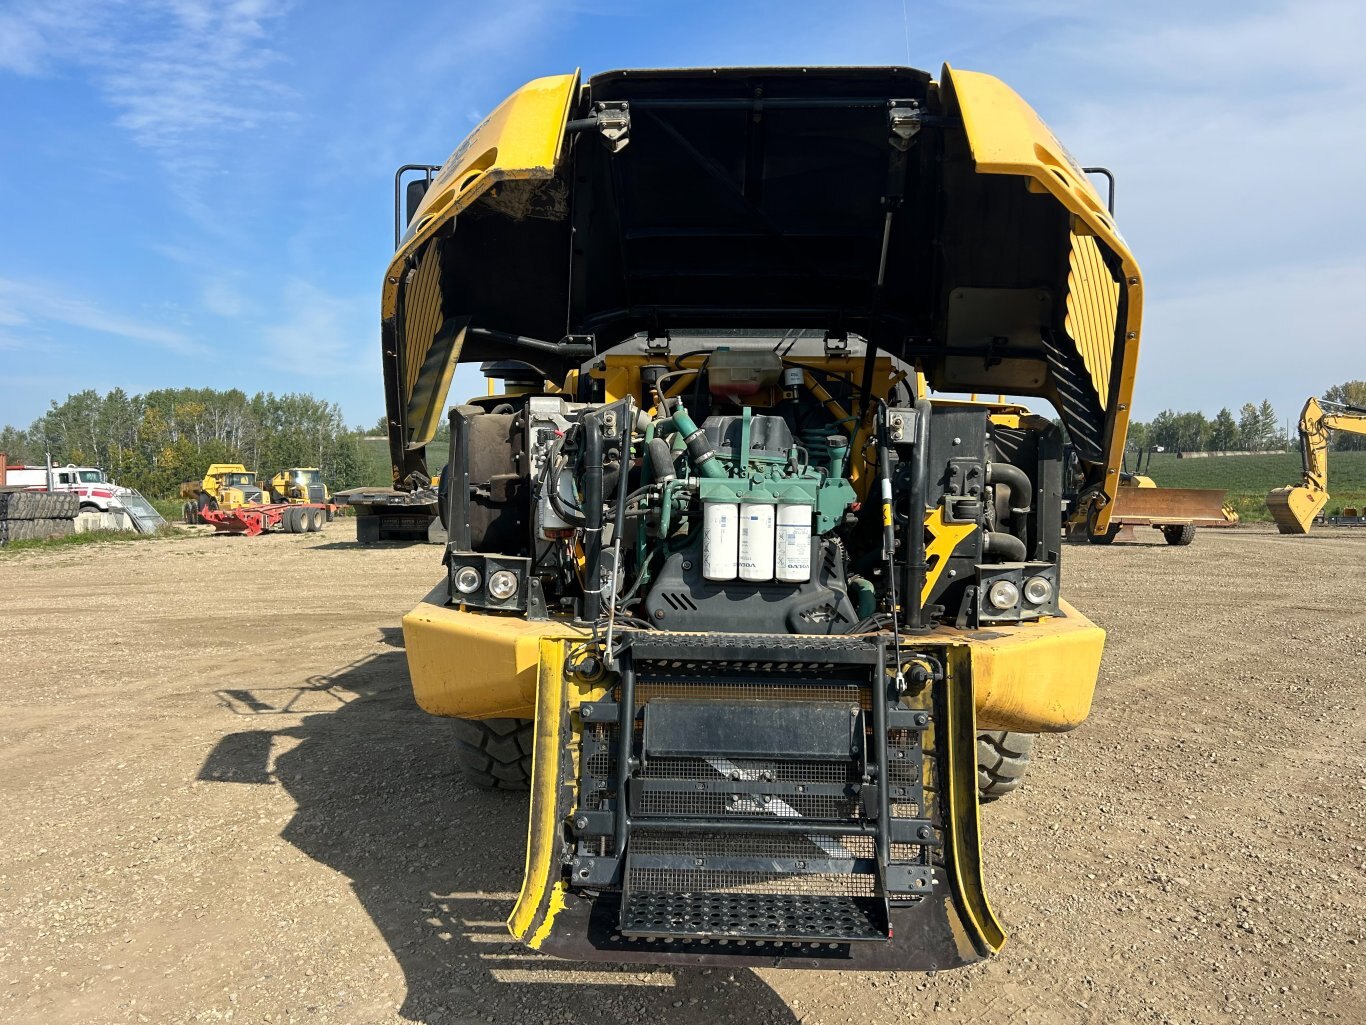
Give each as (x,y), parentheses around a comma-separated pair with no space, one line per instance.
(751,609)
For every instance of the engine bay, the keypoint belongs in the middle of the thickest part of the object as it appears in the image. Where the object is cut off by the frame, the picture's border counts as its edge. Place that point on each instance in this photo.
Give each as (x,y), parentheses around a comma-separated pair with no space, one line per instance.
(753,484)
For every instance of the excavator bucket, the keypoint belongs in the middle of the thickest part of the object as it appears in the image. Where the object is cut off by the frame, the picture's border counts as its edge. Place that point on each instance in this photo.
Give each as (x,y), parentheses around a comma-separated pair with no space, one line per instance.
(1294,508)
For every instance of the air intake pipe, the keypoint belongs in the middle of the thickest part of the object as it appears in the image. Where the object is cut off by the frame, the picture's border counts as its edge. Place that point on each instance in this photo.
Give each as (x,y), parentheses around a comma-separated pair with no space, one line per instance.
(1021,499)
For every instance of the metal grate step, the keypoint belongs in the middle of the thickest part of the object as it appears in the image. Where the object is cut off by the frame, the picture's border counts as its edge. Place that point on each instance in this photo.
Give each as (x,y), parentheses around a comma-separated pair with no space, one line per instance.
(761,916)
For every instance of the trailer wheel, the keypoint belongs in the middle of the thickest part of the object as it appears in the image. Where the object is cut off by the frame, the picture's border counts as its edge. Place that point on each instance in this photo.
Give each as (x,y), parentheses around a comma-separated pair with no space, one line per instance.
(315,520)
(1002,758)
(1182,534)
(495,754)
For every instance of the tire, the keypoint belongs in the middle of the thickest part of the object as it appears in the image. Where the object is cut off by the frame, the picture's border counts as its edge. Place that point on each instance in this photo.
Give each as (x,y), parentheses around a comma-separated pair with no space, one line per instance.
(293,520)
(495,754)
(331,514)
(1179,535)
(1002,759)
(1108,538)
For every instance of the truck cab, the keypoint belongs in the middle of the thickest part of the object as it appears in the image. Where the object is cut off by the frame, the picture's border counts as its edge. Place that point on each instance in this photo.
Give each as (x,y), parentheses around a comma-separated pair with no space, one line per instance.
(96,491)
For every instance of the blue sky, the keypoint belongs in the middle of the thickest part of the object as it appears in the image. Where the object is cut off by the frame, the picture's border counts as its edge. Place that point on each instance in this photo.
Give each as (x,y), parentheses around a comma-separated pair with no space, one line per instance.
(197,193)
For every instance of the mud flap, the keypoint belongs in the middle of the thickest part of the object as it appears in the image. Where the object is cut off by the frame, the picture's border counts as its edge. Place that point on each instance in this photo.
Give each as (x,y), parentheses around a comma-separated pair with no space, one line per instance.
(951,925)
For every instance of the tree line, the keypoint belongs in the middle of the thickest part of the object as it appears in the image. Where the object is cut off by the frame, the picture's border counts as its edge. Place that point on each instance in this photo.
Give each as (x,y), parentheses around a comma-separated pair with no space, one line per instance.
(1256,427)
(155,441)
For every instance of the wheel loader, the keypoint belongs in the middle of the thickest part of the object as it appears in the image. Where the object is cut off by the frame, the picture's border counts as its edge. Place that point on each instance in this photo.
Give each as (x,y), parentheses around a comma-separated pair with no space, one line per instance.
(1140,502)
(745,598)
(1295,507)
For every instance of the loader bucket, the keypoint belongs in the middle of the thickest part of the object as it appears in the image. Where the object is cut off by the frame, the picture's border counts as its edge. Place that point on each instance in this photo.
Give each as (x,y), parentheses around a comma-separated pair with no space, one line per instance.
(1294,508)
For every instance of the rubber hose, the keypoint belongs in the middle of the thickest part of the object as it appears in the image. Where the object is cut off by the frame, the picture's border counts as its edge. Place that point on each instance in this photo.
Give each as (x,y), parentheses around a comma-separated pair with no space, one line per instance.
(997,542)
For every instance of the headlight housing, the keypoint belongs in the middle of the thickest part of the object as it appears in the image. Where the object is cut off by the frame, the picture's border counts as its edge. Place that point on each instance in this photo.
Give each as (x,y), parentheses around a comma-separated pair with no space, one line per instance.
(1038,590)
(1003,595)
(503,585)
(499,583)
(467,580)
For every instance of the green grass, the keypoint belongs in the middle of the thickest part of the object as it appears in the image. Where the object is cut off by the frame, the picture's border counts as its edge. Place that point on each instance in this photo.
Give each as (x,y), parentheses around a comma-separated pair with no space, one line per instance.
(171,509)
(1247,479)
(89,537)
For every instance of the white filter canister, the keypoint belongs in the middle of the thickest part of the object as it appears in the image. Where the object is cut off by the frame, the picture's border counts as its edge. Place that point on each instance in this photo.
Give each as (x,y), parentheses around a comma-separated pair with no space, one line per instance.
(794,543)
(720,540)
(756,541)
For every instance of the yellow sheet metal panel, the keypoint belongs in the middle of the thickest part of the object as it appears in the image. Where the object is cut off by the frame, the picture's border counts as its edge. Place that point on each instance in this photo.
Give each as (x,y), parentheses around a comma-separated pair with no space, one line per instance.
(1006,136)
(1036,677)
(542,893)
(468,665)
(522,138)
(1092,308)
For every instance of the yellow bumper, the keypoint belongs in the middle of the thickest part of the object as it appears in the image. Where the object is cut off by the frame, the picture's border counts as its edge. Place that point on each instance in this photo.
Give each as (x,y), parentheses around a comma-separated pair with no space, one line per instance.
(469,665)
(1035,677)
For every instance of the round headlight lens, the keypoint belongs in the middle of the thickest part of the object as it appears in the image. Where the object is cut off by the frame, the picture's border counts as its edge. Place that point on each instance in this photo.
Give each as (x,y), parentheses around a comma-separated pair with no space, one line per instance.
(1003,595)
(467,580)
(503,585)
(1038,590)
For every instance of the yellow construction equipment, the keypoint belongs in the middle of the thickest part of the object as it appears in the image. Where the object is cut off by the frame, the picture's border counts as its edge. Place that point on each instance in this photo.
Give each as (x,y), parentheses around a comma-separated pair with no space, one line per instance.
(1140,502)
(225,486)
(300,485)
(753,615)
(1295,507)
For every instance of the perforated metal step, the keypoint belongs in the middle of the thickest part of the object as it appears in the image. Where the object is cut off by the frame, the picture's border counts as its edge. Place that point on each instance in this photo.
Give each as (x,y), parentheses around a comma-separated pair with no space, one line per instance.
(761,916)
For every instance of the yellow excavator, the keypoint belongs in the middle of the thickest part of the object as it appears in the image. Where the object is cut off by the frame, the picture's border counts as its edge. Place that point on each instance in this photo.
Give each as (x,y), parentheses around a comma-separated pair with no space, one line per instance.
(1295,507)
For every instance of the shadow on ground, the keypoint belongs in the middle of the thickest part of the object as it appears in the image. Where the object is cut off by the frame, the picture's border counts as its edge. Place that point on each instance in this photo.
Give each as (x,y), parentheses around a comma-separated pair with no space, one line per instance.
(436,863)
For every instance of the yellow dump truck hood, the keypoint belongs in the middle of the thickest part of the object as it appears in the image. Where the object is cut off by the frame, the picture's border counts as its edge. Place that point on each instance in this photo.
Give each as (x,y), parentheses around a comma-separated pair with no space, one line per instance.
(940,220)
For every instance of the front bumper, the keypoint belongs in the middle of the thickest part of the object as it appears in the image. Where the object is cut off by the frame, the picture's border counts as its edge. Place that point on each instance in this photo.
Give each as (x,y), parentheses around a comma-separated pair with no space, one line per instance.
(780,802)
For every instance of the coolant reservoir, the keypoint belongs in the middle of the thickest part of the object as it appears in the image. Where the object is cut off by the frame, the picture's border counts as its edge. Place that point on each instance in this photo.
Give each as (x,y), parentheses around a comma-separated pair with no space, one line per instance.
(756,541)
(720,540)
(793,555)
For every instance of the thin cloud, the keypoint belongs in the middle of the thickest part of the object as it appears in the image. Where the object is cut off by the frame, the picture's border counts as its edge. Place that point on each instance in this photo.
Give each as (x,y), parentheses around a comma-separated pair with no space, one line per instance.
(322,335)
(24,303)
(183,76)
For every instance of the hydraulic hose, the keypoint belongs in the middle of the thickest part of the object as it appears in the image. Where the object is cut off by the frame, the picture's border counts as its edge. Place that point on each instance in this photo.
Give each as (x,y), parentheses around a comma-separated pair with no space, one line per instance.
(592,518)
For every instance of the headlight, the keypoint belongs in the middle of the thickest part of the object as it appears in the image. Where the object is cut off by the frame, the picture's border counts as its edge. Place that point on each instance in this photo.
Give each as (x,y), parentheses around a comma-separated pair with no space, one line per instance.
(1038,590)
(502,585)
(1003,595)
(467,580)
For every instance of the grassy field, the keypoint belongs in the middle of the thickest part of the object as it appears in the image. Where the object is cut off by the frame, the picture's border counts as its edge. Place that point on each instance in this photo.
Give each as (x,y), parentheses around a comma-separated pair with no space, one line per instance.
(1247,479)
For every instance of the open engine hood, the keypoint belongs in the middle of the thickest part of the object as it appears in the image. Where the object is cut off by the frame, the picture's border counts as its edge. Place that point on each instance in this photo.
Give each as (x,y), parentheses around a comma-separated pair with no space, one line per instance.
(942,222)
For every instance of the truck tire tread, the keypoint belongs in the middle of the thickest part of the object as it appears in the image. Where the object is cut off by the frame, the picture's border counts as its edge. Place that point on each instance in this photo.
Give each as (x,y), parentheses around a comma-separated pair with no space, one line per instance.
(1002,758)
(495,754)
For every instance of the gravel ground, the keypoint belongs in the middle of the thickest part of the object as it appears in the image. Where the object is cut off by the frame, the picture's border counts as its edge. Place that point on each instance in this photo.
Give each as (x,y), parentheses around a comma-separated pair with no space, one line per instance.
(219,803)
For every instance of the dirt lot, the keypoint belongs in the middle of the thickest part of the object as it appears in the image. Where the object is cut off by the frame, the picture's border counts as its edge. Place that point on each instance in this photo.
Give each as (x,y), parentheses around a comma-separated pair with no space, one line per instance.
(219,803)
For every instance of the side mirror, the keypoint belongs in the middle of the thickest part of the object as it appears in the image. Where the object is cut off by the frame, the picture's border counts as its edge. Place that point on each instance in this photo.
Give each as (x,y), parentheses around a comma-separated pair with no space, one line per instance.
(414,191)
(413,195)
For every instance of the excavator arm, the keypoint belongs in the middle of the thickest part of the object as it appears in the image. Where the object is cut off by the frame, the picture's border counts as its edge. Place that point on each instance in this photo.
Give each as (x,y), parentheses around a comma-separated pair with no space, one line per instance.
(1295,507)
